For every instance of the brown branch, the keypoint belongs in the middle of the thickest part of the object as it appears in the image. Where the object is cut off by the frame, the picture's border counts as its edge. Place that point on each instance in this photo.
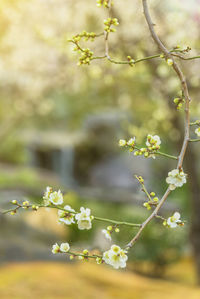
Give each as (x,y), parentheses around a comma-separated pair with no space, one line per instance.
(187,115)
(153,214)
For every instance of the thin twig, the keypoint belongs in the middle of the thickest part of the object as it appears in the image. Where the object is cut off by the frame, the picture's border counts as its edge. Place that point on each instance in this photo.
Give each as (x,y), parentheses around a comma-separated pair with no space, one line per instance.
(116,222)
(194,140)
(160,154)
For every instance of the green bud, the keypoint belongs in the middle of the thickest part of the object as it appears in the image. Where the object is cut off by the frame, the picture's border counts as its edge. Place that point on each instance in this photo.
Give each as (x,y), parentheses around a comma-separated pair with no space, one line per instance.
(152,194)
(176,100)
(109,228)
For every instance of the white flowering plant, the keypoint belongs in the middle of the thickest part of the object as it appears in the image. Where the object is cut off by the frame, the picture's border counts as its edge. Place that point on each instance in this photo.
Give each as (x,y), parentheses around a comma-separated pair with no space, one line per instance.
(116,256)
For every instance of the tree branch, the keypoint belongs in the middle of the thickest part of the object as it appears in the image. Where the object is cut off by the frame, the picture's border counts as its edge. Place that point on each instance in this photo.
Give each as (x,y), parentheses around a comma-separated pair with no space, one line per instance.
(187,115)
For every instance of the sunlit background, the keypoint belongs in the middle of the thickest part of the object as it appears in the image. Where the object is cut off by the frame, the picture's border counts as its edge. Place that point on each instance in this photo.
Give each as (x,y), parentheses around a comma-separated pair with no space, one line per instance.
(60,125)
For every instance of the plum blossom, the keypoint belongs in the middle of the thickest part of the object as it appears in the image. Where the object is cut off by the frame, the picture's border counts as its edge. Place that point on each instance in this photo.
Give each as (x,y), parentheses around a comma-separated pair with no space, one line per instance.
(131,141)
(153,141)
(64,247)
(65,216)
(176,178)
(115,257)
(55,248)
(122,142)
(174,220)
(56,197)
(107,234)
(46,196)
(84,219)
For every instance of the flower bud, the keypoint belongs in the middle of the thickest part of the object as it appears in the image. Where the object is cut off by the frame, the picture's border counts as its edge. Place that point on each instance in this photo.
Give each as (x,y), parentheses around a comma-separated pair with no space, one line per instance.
(176,100)
(155,199)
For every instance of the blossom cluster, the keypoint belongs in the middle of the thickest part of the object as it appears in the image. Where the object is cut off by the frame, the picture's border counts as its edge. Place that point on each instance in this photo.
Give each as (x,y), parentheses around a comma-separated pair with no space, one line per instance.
(153,143)
(24,205)
(109,230)
(109,23)
(152,202)
(130,142)
(67,215)
(85,35)
(104,3)
(64,247)
(115,257)
(86,56)
(53,197)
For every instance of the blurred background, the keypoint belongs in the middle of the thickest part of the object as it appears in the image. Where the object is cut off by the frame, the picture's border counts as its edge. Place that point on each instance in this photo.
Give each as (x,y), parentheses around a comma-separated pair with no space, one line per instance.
(60,125)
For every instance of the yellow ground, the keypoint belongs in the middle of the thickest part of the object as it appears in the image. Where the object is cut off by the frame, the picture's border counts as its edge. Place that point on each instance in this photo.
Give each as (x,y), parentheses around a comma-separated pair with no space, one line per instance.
(85,280)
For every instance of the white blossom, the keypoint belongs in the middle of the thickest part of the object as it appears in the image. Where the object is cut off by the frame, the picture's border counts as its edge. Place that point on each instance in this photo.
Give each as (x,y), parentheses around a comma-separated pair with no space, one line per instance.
(176,178)
(46,196)
(174,220)
(131,141)
(84,219)
(107,234)
(56,197)
(153,141)
(64,247)
(55,248)
(115,257)
(197,131)
(122,142)
(65,216)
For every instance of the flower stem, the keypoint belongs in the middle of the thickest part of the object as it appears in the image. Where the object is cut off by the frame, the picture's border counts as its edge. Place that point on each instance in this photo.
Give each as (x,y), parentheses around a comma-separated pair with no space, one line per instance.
(194,140)
(61,208)
(166,155)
